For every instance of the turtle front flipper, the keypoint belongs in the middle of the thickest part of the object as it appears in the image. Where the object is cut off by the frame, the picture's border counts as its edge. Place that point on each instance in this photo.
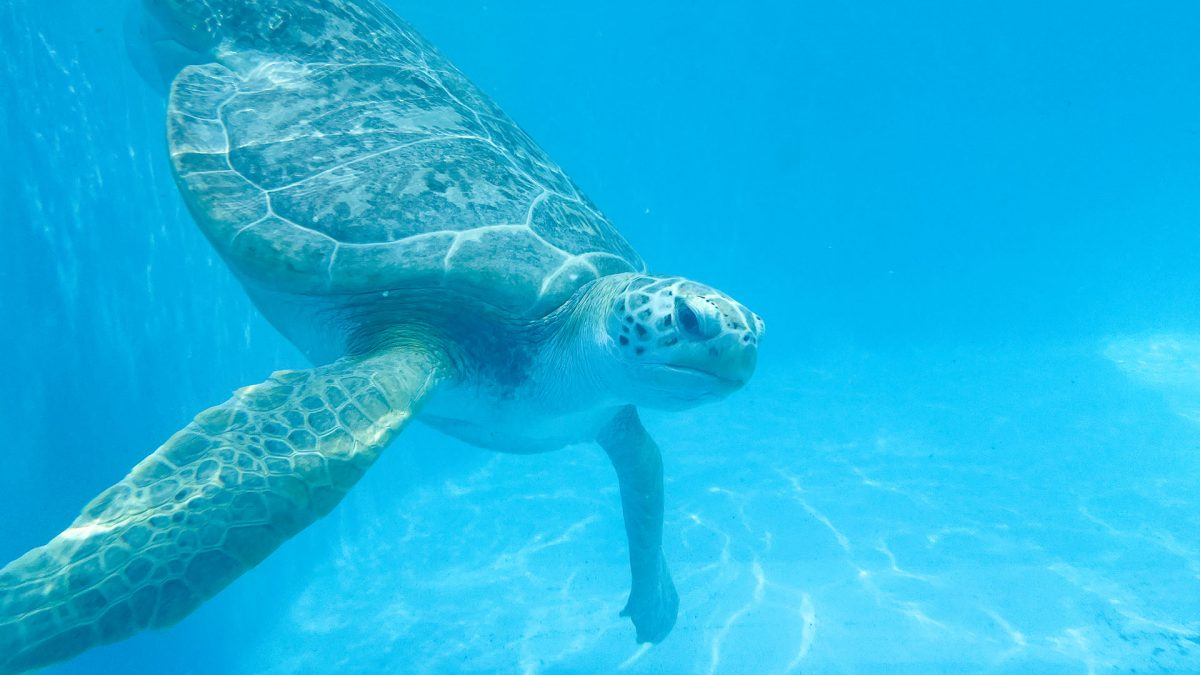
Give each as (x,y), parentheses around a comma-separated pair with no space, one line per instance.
(211,503)
(653,603)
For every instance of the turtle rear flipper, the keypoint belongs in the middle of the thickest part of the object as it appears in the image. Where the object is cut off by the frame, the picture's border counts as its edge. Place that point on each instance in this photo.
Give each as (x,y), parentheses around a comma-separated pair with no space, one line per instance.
(211,503)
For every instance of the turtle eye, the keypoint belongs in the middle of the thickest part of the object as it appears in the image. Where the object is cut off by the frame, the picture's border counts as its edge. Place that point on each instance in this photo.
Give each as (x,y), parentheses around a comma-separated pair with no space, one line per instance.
(686,316)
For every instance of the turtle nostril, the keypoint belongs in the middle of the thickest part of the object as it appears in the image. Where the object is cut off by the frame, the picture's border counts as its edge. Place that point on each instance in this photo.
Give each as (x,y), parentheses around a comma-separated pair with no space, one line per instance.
(688,321)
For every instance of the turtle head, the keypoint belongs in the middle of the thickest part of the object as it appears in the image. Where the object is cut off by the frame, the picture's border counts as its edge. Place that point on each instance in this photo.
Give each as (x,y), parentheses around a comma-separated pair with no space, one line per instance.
(203,26)
(681,343)
(195,25)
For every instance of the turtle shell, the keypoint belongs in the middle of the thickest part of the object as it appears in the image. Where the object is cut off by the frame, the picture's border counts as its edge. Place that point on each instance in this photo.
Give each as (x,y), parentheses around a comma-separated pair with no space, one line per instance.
(328,149)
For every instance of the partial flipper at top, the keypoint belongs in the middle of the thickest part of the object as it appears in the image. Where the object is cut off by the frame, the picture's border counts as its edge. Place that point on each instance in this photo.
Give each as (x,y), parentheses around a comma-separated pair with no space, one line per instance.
(653,603)
(211,503)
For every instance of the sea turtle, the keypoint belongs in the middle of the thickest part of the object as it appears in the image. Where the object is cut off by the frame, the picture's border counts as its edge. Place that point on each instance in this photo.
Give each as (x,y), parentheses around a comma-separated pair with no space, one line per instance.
(432,261)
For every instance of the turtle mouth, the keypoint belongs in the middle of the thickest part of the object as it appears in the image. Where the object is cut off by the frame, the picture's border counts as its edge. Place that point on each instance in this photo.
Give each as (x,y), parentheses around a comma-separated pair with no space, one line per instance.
(692,371)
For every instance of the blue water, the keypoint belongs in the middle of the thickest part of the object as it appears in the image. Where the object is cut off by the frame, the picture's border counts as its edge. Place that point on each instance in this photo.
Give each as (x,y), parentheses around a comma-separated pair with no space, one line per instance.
(973,442)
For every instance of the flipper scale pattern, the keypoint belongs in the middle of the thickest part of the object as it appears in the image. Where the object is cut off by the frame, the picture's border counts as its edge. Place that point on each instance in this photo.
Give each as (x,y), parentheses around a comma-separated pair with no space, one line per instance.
(212,502)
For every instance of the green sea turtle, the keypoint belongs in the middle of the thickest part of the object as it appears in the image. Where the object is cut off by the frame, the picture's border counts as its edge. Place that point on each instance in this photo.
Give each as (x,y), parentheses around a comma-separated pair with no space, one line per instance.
(414,243)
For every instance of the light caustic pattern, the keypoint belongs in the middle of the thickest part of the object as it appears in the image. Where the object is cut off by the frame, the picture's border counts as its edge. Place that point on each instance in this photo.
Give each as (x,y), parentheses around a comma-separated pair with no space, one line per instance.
(893,521)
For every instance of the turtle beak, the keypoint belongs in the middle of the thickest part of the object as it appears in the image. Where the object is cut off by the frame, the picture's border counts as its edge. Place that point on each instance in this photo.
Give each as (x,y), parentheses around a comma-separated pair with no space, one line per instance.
(725,337)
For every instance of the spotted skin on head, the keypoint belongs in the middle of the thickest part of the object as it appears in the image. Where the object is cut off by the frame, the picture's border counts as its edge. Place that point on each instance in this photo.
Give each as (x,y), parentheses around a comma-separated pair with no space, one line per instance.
(658,315)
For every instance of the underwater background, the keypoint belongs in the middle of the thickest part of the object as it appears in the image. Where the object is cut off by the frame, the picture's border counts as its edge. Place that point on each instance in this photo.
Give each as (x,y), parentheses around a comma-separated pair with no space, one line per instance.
(973,441)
